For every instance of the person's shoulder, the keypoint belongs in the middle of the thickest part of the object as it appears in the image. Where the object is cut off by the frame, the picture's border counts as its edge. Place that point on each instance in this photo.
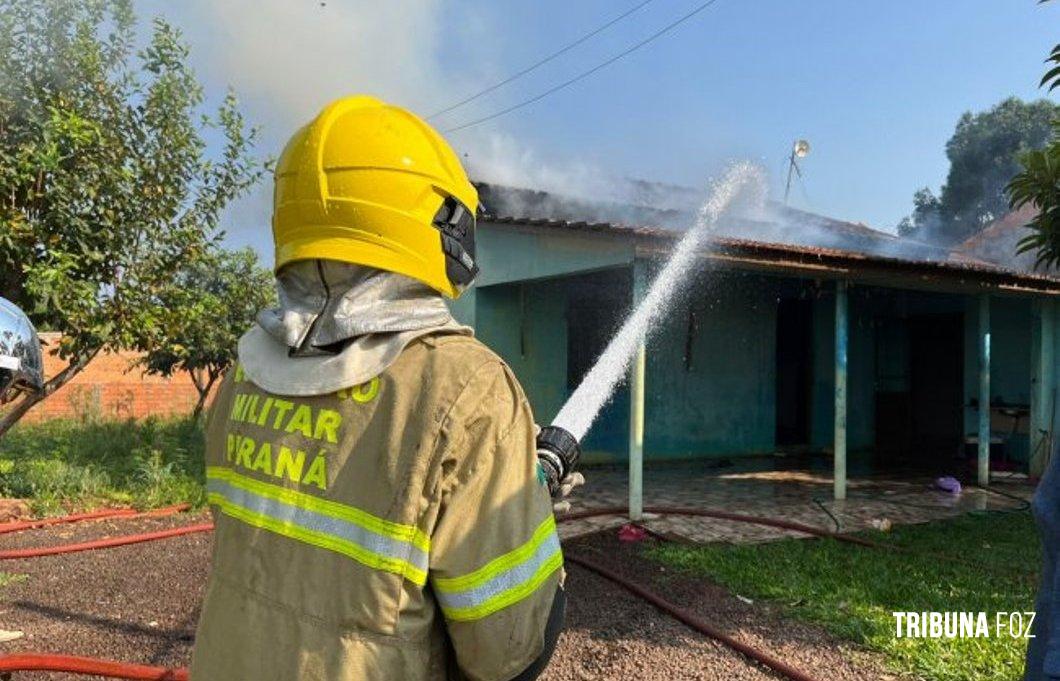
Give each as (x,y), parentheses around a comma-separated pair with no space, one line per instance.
(462,352)
(482,380)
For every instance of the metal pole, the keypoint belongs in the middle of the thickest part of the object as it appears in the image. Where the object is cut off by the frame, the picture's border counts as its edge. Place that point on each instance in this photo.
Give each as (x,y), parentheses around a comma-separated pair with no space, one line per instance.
(984,389)
(636,404)
(839,445)
(636,436)
(791,167)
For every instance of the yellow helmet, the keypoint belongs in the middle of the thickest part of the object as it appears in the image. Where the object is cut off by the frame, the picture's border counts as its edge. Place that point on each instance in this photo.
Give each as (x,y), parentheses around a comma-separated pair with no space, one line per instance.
(373,184)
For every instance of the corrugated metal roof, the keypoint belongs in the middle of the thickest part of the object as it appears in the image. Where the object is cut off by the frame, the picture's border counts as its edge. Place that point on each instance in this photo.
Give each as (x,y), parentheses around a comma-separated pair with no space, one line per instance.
(778,233)
(797,256)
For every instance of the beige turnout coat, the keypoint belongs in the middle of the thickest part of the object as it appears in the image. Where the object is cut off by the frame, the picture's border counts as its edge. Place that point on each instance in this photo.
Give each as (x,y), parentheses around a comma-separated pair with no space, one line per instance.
(396,529)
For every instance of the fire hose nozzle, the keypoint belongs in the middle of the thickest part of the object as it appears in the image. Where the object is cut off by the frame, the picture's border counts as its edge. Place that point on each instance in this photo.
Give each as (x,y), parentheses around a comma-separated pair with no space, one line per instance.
(557,452)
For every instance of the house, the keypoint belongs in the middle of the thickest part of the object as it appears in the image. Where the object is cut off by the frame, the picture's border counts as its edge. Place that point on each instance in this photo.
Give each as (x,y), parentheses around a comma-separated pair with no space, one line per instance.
(998,243)
(835,344)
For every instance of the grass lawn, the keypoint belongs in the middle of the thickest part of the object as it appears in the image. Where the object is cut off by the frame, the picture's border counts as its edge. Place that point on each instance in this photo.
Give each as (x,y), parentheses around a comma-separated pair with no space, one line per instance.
(973,563)
(68,465)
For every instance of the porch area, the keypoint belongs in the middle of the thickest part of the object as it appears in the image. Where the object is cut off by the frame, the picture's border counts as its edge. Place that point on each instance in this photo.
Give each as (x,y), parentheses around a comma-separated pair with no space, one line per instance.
(772,490)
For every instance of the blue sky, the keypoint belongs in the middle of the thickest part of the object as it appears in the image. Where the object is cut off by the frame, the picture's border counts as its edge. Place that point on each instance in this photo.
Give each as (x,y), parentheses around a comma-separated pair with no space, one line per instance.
(876,87)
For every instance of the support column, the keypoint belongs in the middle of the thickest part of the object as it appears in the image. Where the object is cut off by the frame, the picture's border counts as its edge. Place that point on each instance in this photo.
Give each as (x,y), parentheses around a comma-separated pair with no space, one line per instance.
(636,436)
(984,390)
(839,442)
(1043,385)
(636,405)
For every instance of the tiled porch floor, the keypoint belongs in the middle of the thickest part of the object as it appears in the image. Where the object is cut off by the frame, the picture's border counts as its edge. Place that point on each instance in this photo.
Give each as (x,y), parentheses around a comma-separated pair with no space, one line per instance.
(787,494)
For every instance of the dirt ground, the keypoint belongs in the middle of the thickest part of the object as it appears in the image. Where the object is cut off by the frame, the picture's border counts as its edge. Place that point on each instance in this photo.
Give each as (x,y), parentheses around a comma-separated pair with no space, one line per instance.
(140,604)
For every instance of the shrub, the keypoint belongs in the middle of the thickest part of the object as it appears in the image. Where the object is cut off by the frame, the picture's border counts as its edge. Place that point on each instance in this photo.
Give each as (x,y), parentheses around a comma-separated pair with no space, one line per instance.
(66,464)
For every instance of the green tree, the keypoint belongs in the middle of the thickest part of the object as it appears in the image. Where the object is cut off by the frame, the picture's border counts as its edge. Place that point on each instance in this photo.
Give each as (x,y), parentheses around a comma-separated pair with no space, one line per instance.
(984,154)
(106,186)
(925,217)
(1038,185)
(208,306)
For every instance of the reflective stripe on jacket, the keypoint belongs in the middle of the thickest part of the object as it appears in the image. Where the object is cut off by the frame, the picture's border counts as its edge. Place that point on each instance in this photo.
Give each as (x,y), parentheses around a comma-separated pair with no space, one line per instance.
(373,532)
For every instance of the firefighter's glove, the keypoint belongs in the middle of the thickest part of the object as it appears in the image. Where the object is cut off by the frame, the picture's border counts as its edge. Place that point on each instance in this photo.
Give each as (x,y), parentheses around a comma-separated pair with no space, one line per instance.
(566,486)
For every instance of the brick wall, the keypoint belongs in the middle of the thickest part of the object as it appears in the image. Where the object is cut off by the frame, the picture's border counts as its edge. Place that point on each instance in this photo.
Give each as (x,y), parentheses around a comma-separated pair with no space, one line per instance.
(111,387)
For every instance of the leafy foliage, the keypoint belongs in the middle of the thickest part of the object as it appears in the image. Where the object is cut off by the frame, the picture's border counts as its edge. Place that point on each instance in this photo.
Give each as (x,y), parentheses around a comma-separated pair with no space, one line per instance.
(1052,76)
(203,312)
(66,464)
(1038,185)
(984,154)
(926,207)
(106,186)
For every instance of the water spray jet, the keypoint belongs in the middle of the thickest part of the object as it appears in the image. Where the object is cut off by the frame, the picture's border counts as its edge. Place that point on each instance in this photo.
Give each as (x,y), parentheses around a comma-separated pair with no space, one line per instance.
(557,445)
(598,386)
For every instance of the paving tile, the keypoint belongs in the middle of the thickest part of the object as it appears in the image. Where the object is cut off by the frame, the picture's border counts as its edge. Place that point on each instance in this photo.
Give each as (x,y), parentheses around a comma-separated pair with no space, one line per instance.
(795,495)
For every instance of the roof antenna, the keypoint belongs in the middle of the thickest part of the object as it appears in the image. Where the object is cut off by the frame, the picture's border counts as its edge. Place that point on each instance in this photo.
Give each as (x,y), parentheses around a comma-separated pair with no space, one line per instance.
(798,150)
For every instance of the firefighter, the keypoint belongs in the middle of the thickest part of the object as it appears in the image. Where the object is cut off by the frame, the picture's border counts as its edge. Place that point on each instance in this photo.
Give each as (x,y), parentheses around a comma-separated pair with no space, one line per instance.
(380,509)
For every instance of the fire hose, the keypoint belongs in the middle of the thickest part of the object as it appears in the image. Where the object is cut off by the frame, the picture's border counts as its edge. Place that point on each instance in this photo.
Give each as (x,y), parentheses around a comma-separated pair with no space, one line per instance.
(694,622)
(110,669)
(558,452)
(109,542)
(104,514)
(32,662)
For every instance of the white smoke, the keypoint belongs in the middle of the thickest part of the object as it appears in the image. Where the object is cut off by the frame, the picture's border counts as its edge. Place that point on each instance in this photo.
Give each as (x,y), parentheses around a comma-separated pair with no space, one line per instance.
(500,158)
(286,59)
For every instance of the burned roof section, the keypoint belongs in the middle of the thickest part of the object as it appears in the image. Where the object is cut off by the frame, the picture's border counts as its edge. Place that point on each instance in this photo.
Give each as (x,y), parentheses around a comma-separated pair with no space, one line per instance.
(998,243)
(674,209)
(775,237)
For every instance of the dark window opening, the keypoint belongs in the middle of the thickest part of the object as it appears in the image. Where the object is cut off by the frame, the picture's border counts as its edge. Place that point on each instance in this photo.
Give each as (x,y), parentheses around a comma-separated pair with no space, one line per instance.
(589,329)
(596,306)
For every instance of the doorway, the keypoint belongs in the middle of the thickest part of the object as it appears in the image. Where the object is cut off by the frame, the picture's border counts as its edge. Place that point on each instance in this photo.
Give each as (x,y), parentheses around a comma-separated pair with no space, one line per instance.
(794,372)
(936,360)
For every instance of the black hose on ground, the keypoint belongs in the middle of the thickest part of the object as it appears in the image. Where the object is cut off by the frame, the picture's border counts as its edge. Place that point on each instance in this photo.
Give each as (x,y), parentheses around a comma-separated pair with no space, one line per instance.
(684,616)
(690,619)
(694,622)
(1022,504)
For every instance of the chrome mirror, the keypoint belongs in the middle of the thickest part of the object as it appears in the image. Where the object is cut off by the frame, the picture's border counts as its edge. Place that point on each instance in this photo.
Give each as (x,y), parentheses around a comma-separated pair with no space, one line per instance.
(21,362)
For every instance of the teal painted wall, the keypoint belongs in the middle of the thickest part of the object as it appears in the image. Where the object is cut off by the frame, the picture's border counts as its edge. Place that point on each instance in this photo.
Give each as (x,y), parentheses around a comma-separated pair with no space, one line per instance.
(1051,412)
(720,402)
(463,308)
(1010,365)
(720,399)
(861,369)
(1044,368)
(526,325)
(1011,328)
(510,255)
